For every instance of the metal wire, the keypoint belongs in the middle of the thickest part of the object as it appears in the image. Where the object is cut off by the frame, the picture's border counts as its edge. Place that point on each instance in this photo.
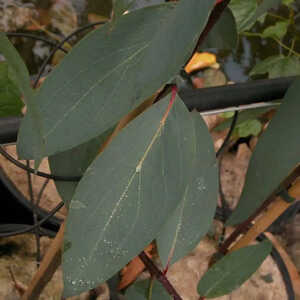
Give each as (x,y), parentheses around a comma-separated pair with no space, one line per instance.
(30,228)
(37,38)
(35,172)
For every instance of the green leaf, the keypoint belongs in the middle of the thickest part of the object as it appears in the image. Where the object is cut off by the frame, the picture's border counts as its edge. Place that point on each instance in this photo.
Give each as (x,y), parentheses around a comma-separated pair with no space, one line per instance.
(224,34)
(287,2)
(243,11)
(233,270)
(113,70)
(277,31)
(18,68)
(262,9)
(21,78)
(248,12)
(140,291)
(275,155)
(193,217)
(249,127)
(10,96)
(278,66)
(74,162)
(127,194)
(244,115)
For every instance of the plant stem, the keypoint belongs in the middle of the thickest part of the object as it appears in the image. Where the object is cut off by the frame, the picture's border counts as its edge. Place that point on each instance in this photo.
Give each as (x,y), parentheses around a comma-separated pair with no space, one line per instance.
(287,48)
(277,17)
(243,227)
(150,290)
(154,271)
(251,34)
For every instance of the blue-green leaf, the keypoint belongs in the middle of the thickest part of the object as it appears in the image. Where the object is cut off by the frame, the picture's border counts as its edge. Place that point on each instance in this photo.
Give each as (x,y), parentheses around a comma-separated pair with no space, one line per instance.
(74,162)
(193,217)
(224,34)
(274,157)
(113,70)
(127,194)
(231,271)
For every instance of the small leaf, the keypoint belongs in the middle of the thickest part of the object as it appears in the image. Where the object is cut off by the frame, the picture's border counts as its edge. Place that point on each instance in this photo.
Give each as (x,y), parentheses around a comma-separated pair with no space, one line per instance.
(231,271)
(278,66)
(10,96)
(140,291)
(132,183)
(249,127)
(20,74)
(277,31)
(97,83)
(193,217)
(248,12)
(276,154)
(244,115)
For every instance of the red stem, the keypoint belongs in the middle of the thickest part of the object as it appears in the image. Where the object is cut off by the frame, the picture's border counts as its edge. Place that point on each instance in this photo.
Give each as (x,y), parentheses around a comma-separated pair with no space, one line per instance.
(154,271)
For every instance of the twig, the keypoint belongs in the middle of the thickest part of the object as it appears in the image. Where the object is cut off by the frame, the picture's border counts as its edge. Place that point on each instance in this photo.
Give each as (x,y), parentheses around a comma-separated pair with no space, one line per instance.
(48,266)
(154,271)
(275,210)
(35,218)
(243,227)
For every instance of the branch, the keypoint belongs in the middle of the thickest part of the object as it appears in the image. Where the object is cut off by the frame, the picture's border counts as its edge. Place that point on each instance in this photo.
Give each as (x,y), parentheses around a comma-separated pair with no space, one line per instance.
(274,211)
(154,271)
(243,227)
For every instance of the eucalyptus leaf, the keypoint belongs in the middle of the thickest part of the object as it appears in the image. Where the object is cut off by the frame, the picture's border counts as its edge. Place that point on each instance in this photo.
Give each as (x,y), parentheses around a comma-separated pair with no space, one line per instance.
(193,217)
(231,271)
(21,77)
(74,162)
(140,291)
(10,96)
(113,70)
(276,154)
(224,33)
(127,194)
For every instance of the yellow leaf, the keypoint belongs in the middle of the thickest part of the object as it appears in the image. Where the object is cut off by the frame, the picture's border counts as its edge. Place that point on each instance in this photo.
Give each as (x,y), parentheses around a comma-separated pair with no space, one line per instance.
(200,61)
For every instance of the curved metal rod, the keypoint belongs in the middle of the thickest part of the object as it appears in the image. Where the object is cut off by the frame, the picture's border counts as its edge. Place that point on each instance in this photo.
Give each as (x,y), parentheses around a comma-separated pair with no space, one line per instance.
(35,37)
